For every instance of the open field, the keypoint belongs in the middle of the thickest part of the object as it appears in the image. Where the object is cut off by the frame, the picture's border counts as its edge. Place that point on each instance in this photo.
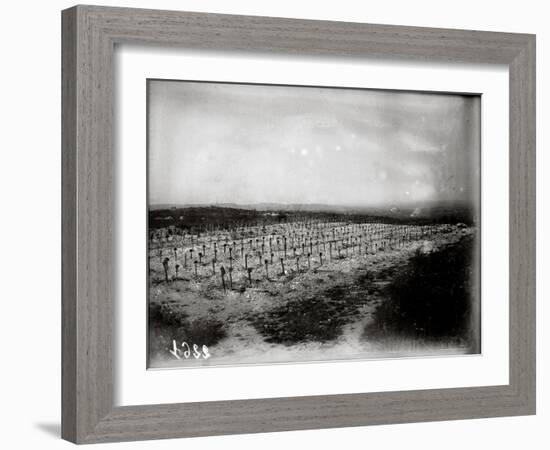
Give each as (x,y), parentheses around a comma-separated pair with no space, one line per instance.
(272,287)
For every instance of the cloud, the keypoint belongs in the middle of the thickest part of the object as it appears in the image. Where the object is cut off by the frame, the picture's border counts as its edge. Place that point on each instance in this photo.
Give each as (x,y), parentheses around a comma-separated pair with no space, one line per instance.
(214,142)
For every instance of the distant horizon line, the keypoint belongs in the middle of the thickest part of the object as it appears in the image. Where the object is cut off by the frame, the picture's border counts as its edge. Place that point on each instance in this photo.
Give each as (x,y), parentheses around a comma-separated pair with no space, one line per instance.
(349,205)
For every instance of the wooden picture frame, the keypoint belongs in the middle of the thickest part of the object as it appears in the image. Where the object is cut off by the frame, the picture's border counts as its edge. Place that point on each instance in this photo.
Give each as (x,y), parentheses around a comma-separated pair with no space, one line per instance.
(89,37)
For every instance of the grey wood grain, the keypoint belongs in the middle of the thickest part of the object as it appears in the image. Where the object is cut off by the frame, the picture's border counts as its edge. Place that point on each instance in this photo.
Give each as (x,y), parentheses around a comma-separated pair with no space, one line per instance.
(89,36)
(68,224)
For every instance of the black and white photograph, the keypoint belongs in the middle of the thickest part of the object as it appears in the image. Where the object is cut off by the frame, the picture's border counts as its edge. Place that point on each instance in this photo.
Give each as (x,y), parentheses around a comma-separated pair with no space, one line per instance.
(275,225)
(291,224)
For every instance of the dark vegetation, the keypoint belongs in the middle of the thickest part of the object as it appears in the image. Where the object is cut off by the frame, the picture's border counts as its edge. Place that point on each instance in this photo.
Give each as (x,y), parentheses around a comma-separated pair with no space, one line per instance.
(430,298)
(167,323)
(201,217)
(300,321)
(318,318)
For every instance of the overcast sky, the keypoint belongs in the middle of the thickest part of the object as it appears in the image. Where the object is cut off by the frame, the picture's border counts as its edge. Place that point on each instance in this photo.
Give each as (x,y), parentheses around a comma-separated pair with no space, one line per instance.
(237,143)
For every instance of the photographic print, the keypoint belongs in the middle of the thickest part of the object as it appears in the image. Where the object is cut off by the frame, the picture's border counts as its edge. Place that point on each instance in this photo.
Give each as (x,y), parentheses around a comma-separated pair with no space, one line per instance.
(292,224)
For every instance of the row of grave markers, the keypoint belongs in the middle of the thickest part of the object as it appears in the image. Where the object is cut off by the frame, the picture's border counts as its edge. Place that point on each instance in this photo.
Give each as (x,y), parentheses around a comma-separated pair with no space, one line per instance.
(378,240)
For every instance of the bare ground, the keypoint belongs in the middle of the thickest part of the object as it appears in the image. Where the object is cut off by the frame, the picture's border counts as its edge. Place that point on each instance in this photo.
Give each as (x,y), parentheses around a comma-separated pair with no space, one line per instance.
(311,314)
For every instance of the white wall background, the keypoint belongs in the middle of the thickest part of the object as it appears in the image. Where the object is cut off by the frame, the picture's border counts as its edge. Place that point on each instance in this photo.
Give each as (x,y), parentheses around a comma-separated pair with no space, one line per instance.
(31,209)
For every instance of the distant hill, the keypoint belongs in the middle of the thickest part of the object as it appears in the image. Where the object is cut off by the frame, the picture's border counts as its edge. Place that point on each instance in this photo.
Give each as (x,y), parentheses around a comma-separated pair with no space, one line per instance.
(229,214)
(259,206)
